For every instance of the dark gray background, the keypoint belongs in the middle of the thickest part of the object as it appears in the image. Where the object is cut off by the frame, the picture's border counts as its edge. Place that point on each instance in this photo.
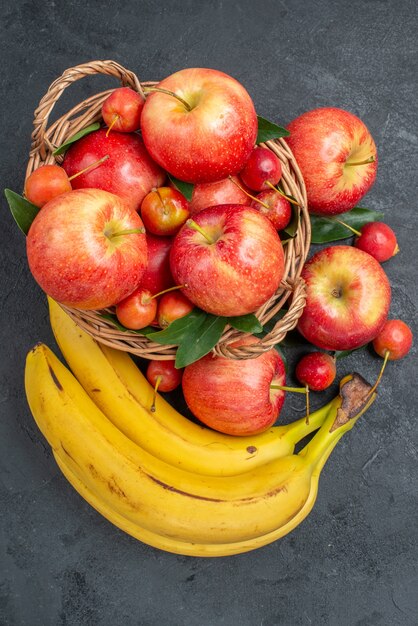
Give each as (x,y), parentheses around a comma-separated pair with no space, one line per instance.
(354,560)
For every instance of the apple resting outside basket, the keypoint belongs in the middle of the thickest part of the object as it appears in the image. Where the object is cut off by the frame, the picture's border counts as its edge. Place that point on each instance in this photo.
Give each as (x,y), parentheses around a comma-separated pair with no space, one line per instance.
(46,139)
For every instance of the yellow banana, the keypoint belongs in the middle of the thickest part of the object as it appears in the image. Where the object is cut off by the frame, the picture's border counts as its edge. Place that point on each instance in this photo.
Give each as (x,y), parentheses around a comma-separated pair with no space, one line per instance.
(157,497)
(186,548)
(120,390)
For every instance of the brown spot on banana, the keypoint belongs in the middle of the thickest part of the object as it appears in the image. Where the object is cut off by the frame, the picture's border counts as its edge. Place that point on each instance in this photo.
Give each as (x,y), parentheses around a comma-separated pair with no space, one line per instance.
(55,378)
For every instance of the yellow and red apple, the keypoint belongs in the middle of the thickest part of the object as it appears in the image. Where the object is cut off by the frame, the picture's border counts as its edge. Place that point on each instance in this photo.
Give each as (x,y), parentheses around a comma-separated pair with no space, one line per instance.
(229,259)
(87,249)
(337,157)
(205,130)
(348,298)
(235,396)
(129,172)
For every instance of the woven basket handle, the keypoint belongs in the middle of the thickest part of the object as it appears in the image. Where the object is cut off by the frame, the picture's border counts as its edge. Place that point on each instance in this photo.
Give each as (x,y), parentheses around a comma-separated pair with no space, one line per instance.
(40,142)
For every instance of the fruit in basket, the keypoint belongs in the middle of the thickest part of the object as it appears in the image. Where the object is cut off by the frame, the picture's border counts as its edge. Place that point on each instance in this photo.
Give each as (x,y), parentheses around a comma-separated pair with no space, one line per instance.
(235,396)
(121,111)
(262,170)
(230,258)
(317,370)
(87,249)
(126,398)
(395,338)
(379,240)
(163,375)
(45,183)
(337,157)
(164,211)
(225,191)
(129,172)
(205,135)
(157,275)
(172,306)
(348,298)
(274,206)
(137,310)
(165,505)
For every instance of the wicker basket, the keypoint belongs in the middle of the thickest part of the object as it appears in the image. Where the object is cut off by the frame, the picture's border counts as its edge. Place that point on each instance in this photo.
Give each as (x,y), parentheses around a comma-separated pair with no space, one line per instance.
(46,139)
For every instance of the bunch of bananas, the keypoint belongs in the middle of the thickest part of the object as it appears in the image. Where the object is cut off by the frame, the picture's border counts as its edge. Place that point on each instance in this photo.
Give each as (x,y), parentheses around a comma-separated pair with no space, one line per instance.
(158,476)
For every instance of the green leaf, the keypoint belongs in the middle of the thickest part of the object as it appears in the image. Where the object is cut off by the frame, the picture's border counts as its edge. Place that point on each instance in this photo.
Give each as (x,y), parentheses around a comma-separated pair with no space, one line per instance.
(327,229)
(185,188)
(142,331)
(85,131)
(23,211)
(179,329)
(268,130)
(245,323)
(340,354)
(195,346)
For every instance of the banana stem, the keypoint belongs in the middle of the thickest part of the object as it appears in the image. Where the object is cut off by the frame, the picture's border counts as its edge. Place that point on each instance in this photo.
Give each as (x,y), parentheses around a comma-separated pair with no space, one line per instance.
(326,438)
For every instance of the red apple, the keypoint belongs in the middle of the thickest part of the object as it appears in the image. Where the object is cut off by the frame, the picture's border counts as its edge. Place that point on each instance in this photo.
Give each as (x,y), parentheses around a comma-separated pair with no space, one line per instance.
(348,298)
(45,183)
(337,157)
(129,172)
(138,309)
(172,306)
(82,251)
(206,136)
(164,211)
(157,275)
(230,257)
(223,191)
(121,111)
(234,396)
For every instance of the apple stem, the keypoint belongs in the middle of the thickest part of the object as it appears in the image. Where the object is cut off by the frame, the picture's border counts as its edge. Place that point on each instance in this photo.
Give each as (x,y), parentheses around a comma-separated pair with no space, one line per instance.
(160,293)
(192,224)
(353,230)
(115,119)
(365,162)
(154,397)
(89,167)
(248,194)
(396,250)
(128,231)
(280,192)
(168,93)
(293,389)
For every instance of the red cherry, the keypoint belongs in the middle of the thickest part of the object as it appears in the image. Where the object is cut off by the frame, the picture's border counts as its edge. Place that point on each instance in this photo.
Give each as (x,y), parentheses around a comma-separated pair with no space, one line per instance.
(379,240)
(262,170)
(170,377)
(121,111)
(275,207)
(395,338)
(317,370)
(172,306)
(45,183)
(164,211)
(137,310)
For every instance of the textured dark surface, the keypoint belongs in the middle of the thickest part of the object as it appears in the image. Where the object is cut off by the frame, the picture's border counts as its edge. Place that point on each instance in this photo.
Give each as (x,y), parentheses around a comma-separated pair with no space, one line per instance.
(354,560)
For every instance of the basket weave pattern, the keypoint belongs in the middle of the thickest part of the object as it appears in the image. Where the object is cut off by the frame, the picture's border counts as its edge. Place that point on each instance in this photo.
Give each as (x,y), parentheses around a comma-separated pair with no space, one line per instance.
(45,139)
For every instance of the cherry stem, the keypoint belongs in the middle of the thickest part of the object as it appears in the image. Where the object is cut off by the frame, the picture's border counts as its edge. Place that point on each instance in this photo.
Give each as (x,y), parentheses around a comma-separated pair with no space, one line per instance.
(115,119)
(160,293)
(154,397)
(248,194)
(365,162)
(89,167)
(129,231)
(192,224)
(353,230)
(168,93)
(379,378)
(280,192)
